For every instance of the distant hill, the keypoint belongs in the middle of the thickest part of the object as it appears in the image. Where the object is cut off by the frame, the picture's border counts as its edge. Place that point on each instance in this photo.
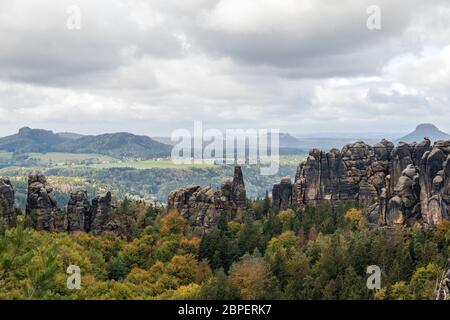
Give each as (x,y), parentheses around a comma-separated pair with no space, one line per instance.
(290,144)
(70,135)
(31,140)
(288,141)
(118,145)
(165,140)
(425,130)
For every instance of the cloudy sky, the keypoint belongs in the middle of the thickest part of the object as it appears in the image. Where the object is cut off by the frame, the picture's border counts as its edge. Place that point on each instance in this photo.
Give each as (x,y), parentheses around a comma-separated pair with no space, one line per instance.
(150,67)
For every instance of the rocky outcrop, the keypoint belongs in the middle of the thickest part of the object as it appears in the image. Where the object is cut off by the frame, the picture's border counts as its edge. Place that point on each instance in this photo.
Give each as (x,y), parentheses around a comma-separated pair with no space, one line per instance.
(43,214)
(41,207)
(282,194)
(7,210)
(398,184)
(443,290)
(404,204)
(203,207)
(435,183)
(100,215)
(238,194)
(356,172)
(78,211)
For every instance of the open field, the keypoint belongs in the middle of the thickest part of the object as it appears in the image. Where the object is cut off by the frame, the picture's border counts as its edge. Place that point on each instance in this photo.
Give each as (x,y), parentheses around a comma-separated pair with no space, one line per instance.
(148,164)
(64,158)
(98,161)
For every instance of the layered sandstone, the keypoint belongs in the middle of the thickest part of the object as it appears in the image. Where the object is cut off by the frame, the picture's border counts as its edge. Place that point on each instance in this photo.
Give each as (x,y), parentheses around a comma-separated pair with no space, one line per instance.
(398,184)
(100,215)
(203,207)
(42,208)
(78,211)
(43,212)
(282,194)
(7,210)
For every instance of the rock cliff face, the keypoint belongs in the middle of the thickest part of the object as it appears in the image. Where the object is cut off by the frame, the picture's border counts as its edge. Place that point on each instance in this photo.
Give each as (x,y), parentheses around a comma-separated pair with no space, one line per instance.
(7,211)
(43,212)
(100,215)
(78,211)
(399,184)
(203,207)
(282,194)
(41,205)
(238,194)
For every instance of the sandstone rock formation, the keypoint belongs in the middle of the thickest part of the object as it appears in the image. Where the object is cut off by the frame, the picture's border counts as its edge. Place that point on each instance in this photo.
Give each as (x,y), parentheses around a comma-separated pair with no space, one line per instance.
(398,184)
(203,207)
(7,211)
(404,203)
(41,207)
(100,215)
(43,212)
(78,211)
(282,194)
(238,194)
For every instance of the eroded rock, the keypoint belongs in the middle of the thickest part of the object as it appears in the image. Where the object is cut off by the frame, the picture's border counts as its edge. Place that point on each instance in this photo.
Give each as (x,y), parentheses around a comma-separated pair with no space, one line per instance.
(7,211)
(282,194)
(203,207)
(398,185)
(100,215)
(41,207)
(78,210)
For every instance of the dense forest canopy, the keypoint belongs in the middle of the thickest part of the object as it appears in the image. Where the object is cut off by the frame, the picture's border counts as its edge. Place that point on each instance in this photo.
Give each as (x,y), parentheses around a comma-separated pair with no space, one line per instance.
(313,253)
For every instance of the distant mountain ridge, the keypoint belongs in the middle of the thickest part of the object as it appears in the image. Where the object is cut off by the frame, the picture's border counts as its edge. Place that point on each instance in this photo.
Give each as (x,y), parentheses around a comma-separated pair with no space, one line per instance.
(291,144)
(425,130)
(120,145)
(70,135)
(31,140)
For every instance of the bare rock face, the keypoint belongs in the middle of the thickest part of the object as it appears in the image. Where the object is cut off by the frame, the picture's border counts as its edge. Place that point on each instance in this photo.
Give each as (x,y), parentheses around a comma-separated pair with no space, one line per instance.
(100,215)
(238,194)
(43,214)
(400,185)
(403,206)
(356,172)
(78,210)
(435,183)
(203,207)
(282,194)
(41,207)
(7,211)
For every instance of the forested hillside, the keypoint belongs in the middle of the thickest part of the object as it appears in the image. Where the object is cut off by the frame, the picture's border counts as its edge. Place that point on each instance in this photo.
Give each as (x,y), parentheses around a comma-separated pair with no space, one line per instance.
(315,253)
(155,183)
(120,145)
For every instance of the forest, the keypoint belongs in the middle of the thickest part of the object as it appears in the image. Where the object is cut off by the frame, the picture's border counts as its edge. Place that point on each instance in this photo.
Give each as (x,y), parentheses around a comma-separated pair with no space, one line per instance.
(309,253)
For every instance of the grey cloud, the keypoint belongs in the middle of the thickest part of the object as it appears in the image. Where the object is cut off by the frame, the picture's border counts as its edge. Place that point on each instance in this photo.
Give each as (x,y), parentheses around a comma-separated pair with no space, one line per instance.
(395,97)
(332,42)
(41,49)
(152,66)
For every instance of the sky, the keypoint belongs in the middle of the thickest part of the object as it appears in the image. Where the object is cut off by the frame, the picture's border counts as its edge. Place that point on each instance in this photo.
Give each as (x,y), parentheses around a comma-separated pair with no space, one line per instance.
(151,67)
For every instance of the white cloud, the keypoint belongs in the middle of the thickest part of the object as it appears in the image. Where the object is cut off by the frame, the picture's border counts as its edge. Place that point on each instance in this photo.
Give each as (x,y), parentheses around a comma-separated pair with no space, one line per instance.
(153,66)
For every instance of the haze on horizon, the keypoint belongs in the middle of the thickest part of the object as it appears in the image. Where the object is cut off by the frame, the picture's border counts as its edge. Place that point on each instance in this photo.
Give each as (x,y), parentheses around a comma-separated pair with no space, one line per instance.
(150,67)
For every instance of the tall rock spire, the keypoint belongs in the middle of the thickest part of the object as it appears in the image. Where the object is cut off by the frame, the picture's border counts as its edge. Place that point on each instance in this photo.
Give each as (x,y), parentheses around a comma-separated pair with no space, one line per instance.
(238,193)
(7,211)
